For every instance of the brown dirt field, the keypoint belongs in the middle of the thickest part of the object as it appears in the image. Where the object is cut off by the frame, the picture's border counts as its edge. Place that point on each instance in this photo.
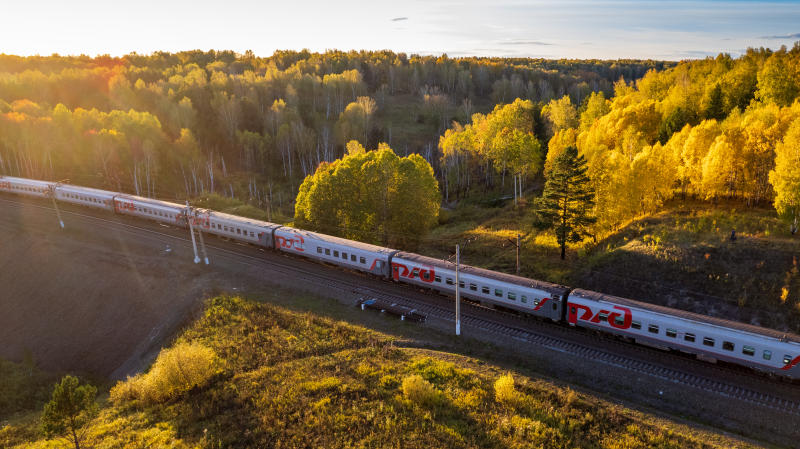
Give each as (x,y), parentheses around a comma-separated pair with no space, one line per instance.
(137,296)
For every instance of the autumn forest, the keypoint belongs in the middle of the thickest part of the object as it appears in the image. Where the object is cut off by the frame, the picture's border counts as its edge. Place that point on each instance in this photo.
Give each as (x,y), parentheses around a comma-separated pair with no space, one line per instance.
(176,126)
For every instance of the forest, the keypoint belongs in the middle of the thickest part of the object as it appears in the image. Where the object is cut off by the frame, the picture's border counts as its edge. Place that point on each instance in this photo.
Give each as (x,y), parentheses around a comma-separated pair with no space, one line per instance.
(177,125)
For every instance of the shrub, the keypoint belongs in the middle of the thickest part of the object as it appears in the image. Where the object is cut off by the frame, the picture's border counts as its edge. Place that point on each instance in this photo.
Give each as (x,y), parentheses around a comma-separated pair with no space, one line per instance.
(504,390)
(176,371)
(418,390)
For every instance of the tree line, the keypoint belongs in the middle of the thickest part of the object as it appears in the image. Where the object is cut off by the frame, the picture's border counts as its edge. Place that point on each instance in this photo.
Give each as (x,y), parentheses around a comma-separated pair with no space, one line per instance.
(176,124)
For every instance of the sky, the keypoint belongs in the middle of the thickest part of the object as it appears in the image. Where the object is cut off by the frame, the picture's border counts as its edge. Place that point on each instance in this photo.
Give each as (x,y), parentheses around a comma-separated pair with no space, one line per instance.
(666,29)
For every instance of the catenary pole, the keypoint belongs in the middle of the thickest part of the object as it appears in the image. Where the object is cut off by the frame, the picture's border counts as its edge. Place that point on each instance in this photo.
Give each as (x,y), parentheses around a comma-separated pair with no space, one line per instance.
(52,192)
(191,231)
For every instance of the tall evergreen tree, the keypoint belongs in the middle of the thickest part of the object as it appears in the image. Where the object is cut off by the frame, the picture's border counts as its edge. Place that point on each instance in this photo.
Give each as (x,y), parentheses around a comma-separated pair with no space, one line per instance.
(567,201)
(715,107)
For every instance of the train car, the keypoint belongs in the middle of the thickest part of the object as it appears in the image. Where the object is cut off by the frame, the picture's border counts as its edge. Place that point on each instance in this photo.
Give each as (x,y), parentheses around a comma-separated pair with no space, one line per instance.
(243,229)
(27,187)
(707,337)
(85,196)
(150,209)
(338,251)
(532,297)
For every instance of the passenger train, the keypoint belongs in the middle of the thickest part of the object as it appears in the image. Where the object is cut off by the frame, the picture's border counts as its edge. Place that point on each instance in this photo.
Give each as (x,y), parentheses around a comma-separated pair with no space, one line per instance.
(708,338)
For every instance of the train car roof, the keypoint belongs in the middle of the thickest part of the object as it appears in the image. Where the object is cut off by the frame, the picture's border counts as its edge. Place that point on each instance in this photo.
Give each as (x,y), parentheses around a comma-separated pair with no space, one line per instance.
(766,332)
(341,241)
(231,217)
(87,189)
(150,201)
(503,277)
(27,181)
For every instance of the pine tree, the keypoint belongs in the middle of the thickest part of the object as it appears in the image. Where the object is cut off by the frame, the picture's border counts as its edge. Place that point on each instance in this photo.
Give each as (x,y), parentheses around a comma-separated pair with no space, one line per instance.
(567,200)
(715,107)
(69,410)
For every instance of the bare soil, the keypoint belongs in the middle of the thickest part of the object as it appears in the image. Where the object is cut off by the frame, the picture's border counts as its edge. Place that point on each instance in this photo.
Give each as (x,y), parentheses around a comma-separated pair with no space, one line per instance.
(89,301)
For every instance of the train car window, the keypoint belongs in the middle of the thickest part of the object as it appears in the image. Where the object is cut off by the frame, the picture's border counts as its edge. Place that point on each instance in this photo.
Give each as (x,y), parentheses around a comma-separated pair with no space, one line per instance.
(238,231)
(344,256)
(787,359)
(485,290)
(619,321)
(653,329)
(449,281)
(473,287)
(524,299)
(437,278)
(362,260)
(252,234)
(498,293)
(708,341)
(604,317)
(461,284)
(335,253)
(512,296)
(728,346)
(319,250)
(327,252)
(689,337)
(352,257)
(672,333)
(749,350)
(767,355)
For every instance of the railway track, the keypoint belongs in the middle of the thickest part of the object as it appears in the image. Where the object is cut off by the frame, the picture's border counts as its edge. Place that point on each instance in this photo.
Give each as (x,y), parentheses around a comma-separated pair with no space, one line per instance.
(494,322)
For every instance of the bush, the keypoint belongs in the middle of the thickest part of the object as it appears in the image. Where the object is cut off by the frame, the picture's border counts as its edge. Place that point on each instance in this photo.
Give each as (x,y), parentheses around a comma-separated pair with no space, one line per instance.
(419,391)
(176,371)
(504,390)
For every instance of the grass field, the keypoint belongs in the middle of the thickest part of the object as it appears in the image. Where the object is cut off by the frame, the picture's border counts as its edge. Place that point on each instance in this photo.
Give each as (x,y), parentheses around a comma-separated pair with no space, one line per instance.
(283,378)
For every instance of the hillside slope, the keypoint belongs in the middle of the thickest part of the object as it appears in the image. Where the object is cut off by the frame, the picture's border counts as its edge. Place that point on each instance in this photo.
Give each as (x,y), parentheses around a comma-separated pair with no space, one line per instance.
(681,257)
(292,379)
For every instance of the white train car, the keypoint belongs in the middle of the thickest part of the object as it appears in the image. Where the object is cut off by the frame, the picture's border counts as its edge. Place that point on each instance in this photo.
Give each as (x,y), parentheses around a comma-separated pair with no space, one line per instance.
(338,251)
(243,229)
(85,196)
(532,297)
(27,187)
(150,209)
(707,337)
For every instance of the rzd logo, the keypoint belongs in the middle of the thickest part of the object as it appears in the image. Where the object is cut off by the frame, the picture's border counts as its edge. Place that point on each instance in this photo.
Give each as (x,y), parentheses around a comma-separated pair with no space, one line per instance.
(586,314)
(425,274)
(295,242)
(122,206)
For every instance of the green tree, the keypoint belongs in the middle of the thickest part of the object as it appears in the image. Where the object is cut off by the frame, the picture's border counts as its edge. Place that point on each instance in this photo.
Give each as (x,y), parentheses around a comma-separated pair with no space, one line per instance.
(567,200)
(71,407)
(715,104)
(373,196)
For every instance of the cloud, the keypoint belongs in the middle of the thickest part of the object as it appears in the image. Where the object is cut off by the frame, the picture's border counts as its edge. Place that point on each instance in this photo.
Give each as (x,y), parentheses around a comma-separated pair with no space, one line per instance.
(398,19)
(522,42)
(785,36)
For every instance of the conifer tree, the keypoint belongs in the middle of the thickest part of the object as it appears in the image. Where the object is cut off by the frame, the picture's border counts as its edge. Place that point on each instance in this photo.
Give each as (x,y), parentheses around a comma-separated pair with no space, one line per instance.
(69,410)
(567,200)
